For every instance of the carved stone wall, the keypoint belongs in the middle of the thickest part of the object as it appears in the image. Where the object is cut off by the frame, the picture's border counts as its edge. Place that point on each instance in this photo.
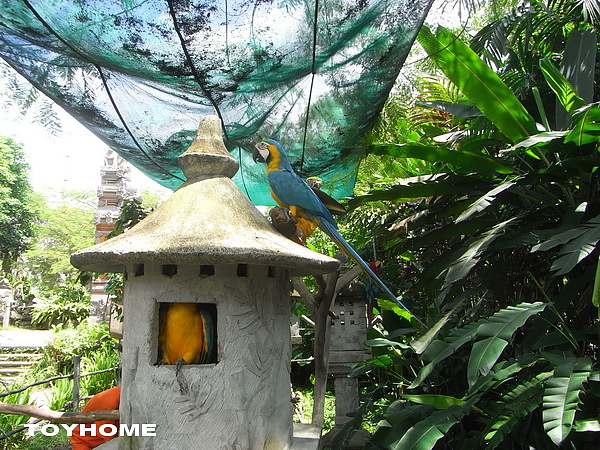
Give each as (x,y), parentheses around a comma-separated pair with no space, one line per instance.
(242,401)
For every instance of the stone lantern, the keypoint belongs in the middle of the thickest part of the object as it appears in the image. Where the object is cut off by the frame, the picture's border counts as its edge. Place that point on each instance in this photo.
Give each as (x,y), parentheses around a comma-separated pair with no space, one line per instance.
(207,245)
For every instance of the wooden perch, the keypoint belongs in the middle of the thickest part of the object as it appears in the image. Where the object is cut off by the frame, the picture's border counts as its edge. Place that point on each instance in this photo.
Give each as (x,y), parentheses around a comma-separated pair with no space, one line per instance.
(57,416)
(308,297)
(321,343)
(347,278)
(307,320)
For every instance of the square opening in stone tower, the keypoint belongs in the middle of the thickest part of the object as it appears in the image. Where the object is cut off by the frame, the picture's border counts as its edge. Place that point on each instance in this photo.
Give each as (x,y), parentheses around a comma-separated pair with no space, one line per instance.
(187,331)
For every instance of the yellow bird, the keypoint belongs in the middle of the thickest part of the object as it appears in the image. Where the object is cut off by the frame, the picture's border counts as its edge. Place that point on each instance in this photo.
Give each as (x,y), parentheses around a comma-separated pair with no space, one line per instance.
(184,335)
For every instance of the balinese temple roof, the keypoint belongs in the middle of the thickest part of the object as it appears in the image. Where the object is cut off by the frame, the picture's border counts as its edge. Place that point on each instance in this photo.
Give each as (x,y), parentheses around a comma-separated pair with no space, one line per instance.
(208,220)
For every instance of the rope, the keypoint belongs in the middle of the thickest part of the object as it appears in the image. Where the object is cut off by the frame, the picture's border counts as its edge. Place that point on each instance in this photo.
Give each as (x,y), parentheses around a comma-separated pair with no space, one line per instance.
(195,73)
(312,81)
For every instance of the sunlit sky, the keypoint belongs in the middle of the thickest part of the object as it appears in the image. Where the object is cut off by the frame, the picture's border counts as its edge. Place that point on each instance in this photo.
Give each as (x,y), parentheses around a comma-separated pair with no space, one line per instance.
(68,161)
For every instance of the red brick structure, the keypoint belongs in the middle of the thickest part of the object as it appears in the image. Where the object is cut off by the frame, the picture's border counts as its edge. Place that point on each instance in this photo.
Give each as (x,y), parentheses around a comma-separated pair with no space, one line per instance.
(115,186)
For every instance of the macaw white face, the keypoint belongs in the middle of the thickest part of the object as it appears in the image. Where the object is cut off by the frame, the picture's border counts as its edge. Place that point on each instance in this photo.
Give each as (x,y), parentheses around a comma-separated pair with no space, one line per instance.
(261,152)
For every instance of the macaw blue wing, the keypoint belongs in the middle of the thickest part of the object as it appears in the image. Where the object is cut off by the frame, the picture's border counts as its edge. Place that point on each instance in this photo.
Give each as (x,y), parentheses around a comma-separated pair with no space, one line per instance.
(293,191)
(210,334)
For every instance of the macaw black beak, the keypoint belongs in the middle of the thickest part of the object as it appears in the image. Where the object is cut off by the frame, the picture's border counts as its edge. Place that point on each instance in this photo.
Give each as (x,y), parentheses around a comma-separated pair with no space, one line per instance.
(257,157)
(260,153)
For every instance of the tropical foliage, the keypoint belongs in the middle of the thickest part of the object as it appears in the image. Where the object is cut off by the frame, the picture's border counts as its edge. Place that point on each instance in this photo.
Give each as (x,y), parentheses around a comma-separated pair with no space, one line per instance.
(16,215)
(68,304)
(65,225)
(85,340)
(499,248)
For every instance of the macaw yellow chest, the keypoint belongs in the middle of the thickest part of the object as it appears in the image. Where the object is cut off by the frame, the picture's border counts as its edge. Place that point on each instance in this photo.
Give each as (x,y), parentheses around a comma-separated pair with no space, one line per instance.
(184,334)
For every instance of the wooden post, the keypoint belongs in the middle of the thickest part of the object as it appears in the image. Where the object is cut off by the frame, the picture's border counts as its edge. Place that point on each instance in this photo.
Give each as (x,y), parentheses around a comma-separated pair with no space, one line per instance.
(76,373)
(321,344)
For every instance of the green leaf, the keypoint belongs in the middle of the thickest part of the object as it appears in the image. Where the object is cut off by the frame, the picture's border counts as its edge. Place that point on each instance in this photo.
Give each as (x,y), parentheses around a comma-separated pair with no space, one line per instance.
(398,419)
(571,255)
(410,190)
(497,331)
(461,160)
(485,200)
(586,125)
(578,63)
(421,344)
(586,425)
(577,244)
(469,255)
(479,83)
(539,140)
(381,342)
(565,93)
(435,400)
(388,305)
(425,434)
(596,289)
(483,356)
(456,109)
(517,404)
(440,350)
(558,239)
(450,231)
(561,397)
(503,372)
(540,106)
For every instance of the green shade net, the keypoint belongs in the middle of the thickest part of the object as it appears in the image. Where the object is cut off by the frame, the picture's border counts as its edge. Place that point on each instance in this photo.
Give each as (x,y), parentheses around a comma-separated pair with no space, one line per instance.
(140,74)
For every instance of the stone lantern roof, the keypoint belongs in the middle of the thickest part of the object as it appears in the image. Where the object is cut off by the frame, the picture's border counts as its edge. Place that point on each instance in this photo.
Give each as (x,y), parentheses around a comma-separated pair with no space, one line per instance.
(208,220)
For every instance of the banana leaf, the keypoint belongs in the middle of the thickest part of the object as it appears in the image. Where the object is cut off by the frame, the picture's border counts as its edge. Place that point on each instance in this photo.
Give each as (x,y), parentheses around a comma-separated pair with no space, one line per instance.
(437,351)
(479,83)
(461,160)
(586,425)
(520,402)
(586,125)
(502,372)
(425,434)
(484,201)
(578,63)
(421,189)
(397,420)
(435,400)
(456,109)
(468,256)
(561,397)
(577,243)
(565,93)
(539,140)
(497,331)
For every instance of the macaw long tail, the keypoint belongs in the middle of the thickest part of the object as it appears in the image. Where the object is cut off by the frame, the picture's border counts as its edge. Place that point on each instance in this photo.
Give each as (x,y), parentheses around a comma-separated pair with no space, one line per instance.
(339,240)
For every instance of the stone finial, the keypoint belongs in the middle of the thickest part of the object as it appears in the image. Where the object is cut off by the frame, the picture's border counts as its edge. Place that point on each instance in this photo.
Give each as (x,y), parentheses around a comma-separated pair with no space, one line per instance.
(207,156)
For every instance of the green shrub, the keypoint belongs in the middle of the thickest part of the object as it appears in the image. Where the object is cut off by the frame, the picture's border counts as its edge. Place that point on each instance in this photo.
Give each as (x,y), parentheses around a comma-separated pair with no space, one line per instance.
(62,393)
(85,340)
(41,442)
(105,358)
(9,422)
(62,305)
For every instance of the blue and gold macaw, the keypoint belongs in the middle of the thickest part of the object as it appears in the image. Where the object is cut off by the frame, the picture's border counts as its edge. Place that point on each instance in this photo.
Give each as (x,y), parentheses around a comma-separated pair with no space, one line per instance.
(186,335)
(292,192)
